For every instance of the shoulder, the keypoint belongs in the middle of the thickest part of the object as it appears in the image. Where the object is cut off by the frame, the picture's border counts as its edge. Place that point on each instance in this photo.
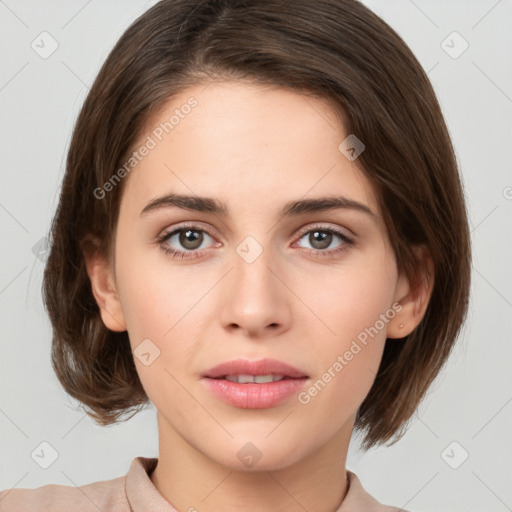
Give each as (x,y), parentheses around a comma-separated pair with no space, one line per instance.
(105,495)
(358,498)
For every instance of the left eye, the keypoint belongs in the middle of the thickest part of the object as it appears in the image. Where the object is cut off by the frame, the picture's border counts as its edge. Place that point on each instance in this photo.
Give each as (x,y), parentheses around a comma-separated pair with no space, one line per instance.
(321,238)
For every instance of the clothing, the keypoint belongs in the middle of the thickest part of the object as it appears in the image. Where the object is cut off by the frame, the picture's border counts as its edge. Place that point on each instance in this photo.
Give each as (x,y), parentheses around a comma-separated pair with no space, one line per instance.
(135,492)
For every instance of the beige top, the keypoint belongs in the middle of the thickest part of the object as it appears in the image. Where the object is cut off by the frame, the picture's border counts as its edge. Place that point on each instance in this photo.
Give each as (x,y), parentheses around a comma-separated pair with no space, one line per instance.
(135,492)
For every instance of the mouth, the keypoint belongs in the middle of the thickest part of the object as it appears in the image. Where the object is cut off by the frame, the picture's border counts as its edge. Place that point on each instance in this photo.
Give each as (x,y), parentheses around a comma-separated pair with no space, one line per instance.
(263,371)
(261,384)
(257,379)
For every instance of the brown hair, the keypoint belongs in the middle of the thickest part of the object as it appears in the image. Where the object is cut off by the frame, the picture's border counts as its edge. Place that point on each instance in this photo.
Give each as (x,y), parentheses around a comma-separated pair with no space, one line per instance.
(334,49)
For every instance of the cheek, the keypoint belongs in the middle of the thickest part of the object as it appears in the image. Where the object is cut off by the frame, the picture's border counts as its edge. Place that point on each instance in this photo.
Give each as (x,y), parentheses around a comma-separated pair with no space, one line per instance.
(153,297)
(354,307)
(162,305)
(350,298)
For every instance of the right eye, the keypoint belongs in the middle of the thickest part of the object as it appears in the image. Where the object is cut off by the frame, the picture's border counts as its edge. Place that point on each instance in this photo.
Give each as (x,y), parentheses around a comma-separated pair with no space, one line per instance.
(189,237)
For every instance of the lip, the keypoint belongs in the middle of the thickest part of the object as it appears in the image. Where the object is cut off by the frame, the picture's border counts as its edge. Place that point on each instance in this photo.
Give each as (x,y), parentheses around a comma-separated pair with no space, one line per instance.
(259,367)
(254,395)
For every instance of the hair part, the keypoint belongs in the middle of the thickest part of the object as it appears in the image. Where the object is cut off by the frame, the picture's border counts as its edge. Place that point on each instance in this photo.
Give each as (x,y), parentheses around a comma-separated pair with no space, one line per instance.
(333,49)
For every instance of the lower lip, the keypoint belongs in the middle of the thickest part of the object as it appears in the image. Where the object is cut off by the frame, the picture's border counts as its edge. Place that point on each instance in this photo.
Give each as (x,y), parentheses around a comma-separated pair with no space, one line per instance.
(252,395)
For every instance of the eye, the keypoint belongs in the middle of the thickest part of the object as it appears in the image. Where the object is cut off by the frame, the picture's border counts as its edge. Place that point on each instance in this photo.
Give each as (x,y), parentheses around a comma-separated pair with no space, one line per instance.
(321,237)
(189,238)
(186,241)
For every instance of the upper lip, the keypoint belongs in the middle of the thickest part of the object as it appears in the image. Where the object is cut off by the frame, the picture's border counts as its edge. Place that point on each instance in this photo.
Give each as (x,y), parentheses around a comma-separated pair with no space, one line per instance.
(259,367)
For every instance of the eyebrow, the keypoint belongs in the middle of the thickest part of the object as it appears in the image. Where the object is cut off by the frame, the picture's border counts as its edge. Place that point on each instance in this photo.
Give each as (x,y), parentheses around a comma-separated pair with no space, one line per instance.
(217,207)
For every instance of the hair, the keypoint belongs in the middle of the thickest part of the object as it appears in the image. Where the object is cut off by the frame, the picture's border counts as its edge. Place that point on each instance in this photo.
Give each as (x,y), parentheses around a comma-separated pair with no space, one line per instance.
(337,50)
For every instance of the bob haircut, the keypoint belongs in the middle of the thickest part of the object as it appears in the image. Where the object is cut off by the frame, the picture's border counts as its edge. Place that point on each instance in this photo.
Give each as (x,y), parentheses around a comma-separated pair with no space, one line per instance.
(337,50)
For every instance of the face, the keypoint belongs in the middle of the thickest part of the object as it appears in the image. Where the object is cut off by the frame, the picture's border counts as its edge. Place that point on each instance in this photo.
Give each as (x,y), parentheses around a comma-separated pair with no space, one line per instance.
(316,289)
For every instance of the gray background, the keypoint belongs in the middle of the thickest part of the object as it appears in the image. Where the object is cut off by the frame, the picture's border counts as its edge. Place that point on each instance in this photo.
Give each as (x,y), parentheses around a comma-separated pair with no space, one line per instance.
(469,404)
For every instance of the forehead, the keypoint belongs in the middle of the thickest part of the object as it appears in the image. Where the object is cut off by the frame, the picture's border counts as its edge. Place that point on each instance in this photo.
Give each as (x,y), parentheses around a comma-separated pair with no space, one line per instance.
(245,143)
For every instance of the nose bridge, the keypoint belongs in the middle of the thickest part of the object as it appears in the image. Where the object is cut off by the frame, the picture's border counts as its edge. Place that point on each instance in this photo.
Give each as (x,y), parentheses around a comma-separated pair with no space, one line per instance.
(252,273)
(255,297)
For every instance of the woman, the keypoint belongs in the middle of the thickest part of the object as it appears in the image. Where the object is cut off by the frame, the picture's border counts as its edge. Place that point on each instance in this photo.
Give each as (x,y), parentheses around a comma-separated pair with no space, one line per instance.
(218,139)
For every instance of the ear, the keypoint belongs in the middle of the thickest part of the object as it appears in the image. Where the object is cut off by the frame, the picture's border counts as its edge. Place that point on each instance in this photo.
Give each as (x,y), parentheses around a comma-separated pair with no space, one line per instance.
(413,299)
(101,274)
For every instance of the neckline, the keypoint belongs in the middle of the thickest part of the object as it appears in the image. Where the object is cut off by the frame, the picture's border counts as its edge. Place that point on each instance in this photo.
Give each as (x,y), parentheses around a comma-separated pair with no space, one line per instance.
(143,496)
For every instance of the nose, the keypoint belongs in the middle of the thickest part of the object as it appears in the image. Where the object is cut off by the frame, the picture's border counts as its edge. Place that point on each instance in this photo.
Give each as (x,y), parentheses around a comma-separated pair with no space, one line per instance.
(255,298)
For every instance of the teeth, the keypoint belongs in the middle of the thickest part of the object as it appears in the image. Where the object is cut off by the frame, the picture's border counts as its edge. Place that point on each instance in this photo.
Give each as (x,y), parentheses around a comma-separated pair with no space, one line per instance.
(258,379)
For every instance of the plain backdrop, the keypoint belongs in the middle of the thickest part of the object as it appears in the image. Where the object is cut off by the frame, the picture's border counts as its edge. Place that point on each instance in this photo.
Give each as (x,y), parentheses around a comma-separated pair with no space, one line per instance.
(456,455)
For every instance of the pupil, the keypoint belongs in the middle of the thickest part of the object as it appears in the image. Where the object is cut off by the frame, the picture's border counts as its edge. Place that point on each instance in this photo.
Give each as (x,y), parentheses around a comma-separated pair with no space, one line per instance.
(323,240)
(189,238)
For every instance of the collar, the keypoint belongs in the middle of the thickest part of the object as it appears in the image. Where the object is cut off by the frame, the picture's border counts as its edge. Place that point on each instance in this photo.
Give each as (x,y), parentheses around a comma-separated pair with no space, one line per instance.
(143,496)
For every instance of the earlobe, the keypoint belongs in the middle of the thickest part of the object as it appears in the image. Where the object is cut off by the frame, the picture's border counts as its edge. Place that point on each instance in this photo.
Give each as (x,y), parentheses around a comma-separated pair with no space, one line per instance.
(413,298)
(104,290)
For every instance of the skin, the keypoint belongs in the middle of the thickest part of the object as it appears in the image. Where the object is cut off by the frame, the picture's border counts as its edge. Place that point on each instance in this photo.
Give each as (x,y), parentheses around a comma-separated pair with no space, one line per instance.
(255,148)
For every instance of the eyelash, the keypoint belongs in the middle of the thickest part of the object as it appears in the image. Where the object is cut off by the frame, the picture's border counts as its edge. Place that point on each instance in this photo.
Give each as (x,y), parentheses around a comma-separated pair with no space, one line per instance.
(173,253)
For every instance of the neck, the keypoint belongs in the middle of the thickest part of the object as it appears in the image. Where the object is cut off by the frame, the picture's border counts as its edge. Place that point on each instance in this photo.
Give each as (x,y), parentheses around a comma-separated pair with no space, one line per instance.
(192,481)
